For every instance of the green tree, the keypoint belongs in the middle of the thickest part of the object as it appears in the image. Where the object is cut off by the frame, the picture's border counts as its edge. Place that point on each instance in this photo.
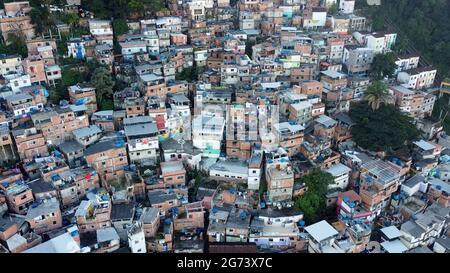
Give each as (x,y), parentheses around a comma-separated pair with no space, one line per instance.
(17,45)
(120,27)
(383,66)
(136,6)
(71,76)
(72,19)
(40,19)
(98,8)
(313,202)
(312,205)
(385,129)
(378,23)
(317,181)
(333,9)
(104,84)
(376,94)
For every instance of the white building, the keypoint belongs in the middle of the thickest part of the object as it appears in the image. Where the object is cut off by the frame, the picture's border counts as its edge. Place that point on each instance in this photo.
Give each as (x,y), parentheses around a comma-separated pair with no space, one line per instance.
(407,62)
(179,104)
(207,134)
(10,64)
(254,170)
(322,238)
(417,78)
(414,184)
(136,238)
(17,81)
(133,47)
(346,6)
(319,18)
(340,173)
(426,227)
(381,42)
(229,170)
(275,228)
(100,27)
(142,138)
(65,243)
(200,56)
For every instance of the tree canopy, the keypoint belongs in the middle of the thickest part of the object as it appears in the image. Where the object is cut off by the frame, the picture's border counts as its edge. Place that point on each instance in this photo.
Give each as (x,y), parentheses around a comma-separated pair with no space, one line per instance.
(383,66)
(376,94)
(384,129)
(424,22)
(120,27)
(312,203)
(17,45)
(104,84)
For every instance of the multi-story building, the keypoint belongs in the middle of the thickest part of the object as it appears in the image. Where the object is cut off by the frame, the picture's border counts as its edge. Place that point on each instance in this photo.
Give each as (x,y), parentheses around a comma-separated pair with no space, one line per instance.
(174,176)
(276,229)
(322,238)
(289,136)
(108,158)
(340,173)
(142,138)
(10,64)
(417,78)
(207,134)
(151,221)
(72,185)
(101,30)
(19,197)
(378,181)
(94,213)
(357,60)
(417,104)
(333,80)
(30,142)
(87,135)
(381,42)
(407,62)
(301,112)
(15,17)
(57,124)
(8,154)
(44,216)
(280,182)
(83,94)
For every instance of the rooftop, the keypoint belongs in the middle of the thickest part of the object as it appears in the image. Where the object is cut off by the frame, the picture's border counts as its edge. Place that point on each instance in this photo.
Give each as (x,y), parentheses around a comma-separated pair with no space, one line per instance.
(86,131)
(64,243)
(383,172)
(172,166)
(230,165)
(391,232)
(395,246)
(103,146)
(149,215)
(321,231)
(338,170)
(122,211)
(70,146)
